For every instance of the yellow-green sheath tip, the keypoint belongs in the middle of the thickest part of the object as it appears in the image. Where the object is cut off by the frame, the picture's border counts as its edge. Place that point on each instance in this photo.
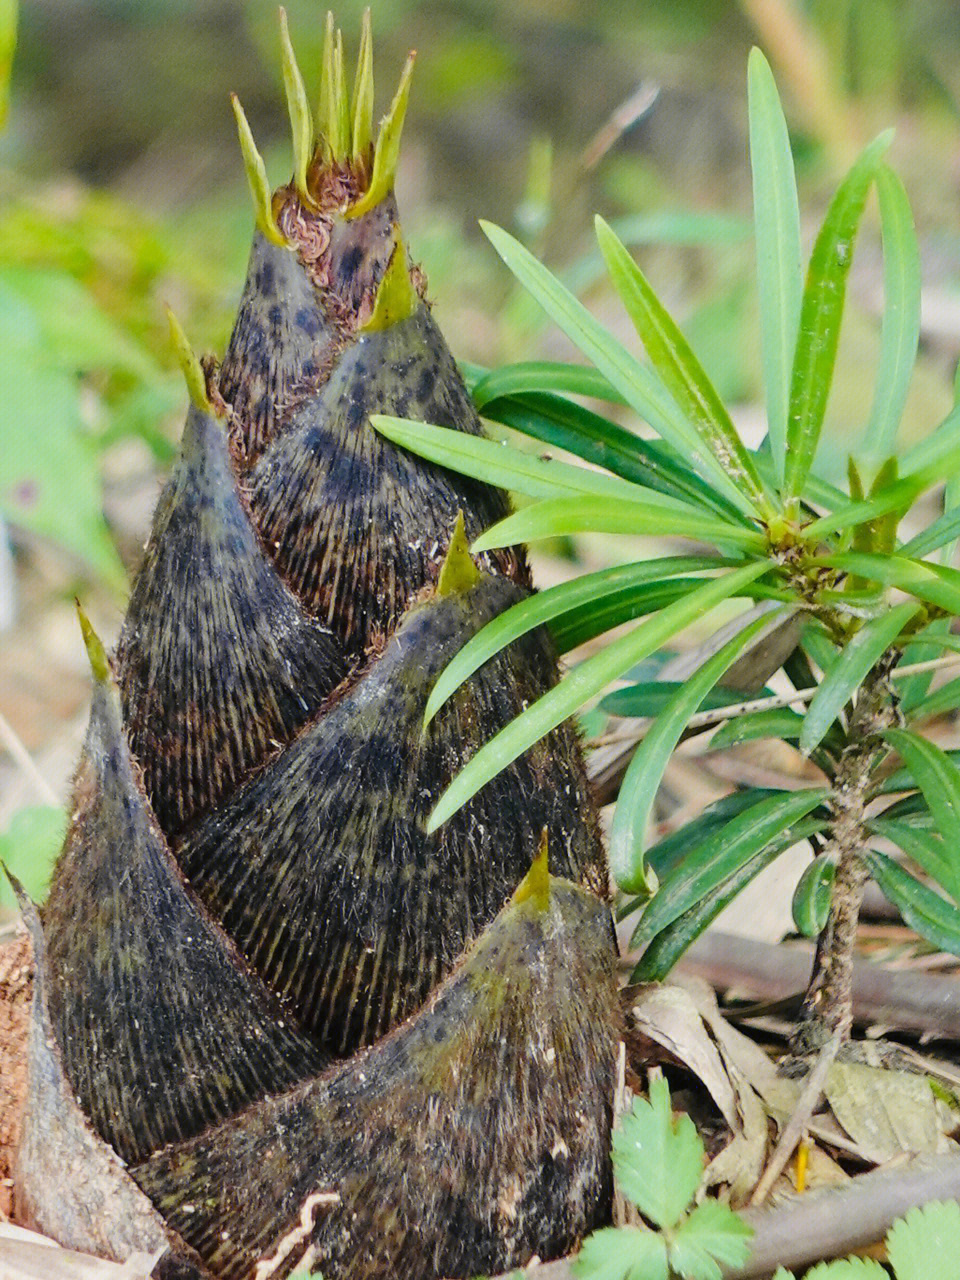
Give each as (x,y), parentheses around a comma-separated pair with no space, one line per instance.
(96,653)
(192,369)
(301,120)
(535,885)
(256,172)
(387,152)
(396,297)
(458,571)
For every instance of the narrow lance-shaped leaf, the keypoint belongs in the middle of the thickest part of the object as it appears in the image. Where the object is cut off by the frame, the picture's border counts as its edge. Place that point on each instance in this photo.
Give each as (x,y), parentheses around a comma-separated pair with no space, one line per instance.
(820,315)
(937,777)
(848,671)
(637,384)
(932,916)
(934,583)
(626,605)
(900,333)
(561,517)
(711,863)
(544,375)
(811,898)
(510,468)
(549,604)
(777,221)
(926,848)
(583,683)
(680,370)
(944,530)
(641,782)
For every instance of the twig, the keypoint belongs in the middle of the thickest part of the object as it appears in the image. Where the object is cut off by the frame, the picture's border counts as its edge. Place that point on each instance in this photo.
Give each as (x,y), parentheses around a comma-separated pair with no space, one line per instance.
(23,758)
(799,1119)
(634,108)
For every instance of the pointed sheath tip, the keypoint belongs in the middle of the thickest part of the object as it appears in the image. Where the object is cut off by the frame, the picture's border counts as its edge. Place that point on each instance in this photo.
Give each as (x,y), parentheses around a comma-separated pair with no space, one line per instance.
(298,108)
(458,572)
(535,885)
(192,369)
(386,154)
(97,655)
(256,172)
(396,298)
(362,114)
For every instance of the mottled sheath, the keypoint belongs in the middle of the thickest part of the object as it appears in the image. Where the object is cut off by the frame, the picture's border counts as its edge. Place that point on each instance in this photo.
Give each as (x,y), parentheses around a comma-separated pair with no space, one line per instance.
(320,866)
(469,1139)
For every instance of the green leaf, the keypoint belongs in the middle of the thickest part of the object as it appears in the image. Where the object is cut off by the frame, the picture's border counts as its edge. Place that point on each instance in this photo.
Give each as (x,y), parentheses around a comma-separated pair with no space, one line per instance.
(777,223)
(900,333)
(552,603)
(667,947)
(583,683)
(622,1253)
(936,535)
(589,620)
(847,1269)
(560,517)
(927,849)
(925,911)
(29,848)
(820,315)
(499,464)
(681,371)
(650,697)
(846,675)
(709,864)
(811,898)
(925,1243)
(934,638)
(937,777)
(658,1157)
(641,782)
(779,722)
(710,1233)
(934,583)
(637,384)
(580,431)
(946,698)
(544,375)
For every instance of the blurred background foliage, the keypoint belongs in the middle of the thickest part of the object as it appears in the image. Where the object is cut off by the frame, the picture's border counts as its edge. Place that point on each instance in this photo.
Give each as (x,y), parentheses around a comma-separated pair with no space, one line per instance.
(121,189)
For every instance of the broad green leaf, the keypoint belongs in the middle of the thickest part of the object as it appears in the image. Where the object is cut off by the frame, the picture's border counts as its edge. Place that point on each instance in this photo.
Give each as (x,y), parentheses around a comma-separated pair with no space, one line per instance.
(583,683)
(946,698)
(892,497)
(820,315)
(566,425)
(667,947)
(777,223)
(548,605)
(934,583)
(900,332)
(497,463)
(544,375)
(846,675)
(641,782)
(560,517)
(779,722)
(29,848)
(641,389)
(680,370)
(667,854)
(720,856)
(622,1253)
(710,1233)
(811,898)
(937,776)
(927,849)
(925,911)
(925,1243)
(651,697)
(608,611)
(658,1157)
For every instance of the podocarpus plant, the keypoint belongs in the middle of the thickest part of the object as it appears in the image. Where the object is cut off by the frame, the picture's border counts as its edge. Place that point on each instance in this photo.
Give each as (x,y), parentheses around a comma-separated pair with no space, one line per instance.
(255,1041)
(872,607)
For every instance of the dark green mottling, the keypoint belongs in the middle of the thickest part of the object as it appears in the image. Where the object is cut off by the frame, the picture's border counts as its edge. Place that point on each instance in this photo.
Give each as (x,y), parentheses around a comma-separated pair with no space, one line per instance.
(472,1137)
(162,1028)
(217,661)
(320,866)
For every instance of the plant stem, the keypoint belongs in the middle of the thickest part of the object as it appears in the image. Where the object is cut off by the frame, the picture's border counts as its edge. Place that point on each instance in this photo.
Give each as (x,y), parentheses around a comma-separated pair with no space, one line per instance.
(828,1005)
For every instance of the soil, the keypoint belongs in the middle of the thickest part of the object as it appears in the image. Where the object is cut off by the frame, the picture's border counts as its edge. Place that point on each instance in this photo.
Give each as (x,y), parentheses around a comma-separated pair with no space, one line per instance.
(16,988)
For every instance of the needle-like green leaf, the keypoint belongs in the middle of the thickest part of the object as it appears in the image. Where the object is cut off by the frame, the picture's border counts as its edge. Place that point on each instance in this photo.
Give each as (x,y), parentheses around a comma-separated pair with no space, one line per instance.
(680,370)
(553,603)
(641,782)
(820,315)
(900,333)
(777,220)
(583,683)
(847,673)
